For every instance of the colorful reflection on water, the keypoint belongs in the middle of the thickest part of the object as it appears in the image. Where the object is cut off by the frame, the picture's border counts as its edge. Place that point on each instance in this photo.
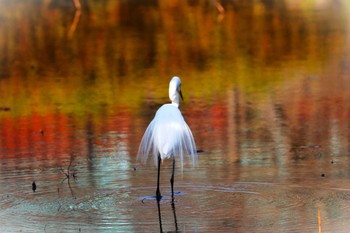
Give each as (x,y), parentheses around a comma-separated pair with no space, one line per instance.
(267,93)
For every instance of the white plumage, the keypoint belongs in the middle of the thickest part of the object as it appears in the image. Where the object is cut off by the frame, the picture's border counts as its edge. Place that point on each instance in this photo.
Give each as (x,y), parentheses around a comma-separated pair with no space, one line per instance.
(168,134)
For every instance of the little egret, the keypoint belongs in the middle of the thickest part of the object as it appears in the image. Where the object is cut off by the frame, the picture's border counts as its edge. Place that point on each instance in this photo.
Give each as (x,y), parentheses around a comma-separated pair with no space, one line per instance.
(168,135)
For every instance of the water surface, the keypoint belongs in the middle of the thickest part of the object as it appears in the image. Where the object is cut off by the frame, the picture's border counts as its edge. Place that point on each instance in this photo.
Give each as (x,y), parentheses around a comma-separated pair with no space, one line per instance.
(267,93)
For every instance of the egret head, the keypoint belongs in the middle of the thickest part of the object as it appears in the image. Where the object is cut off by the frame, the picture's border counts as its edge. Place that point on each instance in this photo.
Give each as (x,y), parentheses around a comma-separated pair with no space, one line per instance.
(175,91)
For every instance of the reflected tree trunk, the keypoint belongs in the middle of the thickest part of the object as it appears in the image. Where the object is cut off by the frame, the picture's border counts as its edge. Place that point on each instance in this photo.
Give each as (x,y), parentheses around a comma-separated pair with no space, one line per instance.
(77,4)
(76,18)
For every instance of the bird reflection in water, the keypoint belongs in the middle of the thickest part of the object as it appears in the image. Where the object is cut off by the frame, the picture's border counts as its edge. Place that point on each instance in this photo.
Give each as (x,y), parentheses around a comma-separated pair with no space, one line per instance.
(160,216)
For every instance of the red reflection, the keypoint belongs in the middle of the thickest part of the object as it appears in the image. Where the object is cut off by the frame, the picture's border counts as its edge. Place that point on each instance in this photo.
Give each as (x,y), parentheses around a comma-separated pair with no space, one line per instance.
(58,134)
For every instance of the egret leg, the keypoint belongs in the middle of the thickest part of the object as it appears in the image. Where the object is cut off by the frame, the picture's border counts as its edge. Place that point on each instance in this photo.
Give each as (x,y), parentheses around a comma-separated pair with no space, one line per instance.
(158,196)
(172,181)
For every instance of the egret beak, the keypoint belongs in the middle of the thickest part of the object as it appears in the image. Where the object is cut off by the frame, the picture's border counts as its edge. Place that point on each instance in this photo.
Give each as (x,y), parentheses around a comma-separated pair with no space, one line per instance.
(181,95)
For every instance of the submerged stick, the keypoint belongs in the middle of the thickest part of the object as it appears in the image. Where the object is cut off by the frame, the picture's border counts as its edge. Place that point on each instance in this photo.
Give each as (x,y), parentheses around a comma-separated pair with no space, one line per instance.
(68,175)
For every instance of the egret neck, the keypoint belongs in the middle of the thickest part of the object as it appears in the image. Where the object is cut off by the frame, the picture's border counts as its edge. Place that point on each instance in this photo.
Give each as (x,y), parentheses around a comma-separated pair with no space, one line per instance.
(175,91)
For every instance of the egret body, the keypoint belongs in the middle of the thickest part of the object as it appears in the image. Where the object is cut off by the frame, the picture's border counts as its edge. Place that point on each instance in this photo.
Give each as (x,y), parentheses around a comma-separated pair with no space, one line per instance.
(168,136)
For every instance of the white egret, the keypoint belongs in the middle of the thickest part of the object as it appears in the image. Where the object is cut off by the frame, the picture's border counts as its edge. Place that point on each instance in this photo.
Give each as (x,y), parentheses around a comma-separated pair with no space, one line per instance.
(168,135)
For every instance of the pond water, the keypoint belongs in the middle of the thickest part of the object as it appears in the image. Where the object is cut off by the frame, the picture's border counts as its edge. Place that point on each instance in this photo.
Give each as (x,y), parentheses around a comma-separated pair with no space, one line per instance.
(266,88)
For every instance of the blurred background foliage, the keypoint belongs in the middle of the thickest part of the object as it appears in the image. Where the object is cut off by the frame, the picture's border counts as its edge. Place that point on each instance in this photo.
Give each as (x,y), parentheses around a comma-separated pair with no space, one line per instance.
(123,53)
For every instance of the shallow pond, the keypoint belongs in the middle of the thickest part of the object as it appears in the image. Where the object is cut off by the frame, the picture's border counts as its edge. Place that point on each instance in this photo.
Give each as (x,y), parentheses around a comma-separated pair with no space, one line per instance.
(267,93)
